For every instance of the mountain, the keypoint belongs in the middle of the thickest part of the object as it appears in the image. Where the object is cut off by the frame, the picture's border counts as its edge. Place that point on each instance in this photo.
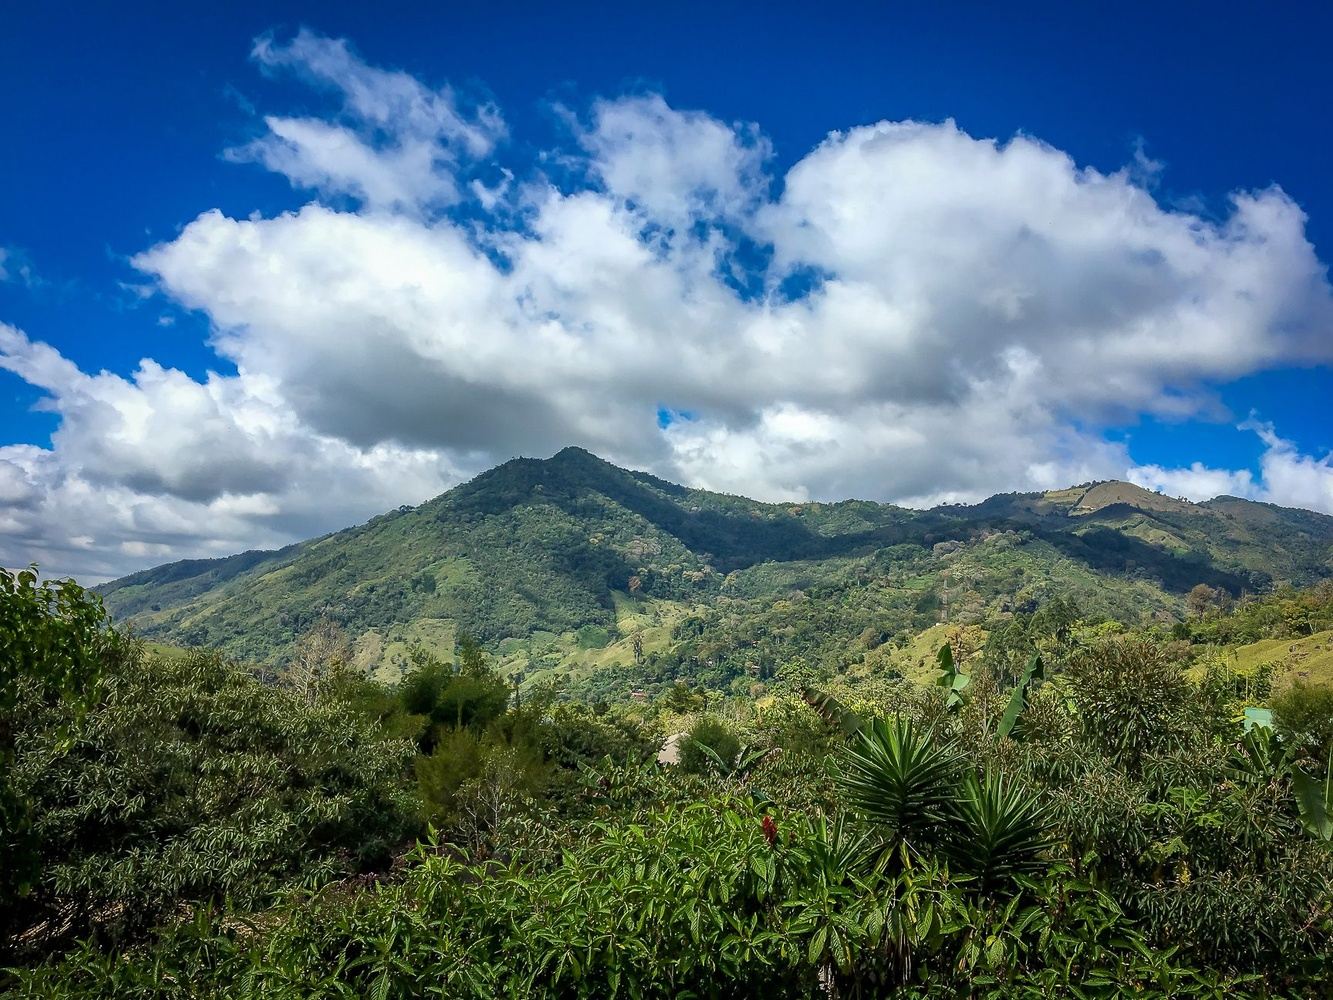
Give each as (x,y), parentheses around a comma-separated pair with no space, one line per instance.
(567,563)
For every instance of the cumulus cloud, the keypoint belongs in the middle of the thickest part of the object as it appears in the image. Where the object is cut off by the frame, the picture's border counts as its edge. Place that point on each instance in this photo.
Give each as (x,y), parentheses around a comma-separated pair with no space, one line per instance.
(395,144)
(675,167)
(1196,482)
(159,465)
(911,313)
(1293,479)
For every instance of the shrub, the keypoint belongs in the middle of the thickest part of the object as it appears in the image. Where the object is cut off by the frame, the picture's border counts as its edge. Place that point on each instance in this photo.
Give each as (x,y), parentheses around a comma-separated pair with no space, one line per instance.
(472,696)
(189,780)
(794,726)
(593,637)
(55,643)
(1303,714)
(701,900)
(1130,697)
(716,735)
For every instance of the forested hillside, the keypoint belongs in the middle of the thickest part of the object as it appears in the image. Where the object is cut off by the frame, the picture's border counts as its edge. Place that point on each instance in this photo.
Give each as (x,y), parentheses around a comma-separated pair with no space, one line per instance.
(542,561)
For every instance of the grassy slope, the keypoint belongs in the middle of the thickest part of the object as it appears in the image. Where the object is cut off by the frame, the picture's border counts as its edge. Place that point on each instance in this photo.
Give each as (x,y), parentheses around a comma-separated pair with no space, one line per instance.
(546,657)
(1309,658)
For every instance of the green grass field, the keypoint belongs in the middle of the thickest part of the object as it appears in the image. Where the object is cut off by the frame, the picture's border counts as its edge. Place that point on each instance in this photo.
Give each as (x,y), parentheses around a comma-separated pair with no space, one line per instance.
(1309,659)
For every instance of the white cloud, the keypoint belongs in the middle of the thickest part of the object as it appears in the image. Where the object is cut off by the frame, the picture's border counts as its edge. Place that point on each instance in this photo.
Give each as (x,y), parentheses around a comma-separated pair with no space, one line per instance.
(1293,479)
(1197,482)
(396,144)
(675,167)
(942,317)
(1286,476)
(160,465)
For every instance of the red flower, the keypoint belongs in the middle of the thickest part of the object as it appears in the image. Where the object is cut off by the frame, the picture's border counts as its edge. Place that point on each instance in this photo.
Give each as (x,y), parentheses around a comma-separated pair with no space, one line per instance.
(770,831)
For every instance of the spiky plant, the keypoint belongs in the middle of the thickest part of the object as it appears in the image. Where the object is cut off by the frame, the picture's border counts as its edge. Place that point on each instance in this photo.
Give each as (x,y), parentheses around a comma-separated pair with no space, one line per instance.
(897,775)
(997,829)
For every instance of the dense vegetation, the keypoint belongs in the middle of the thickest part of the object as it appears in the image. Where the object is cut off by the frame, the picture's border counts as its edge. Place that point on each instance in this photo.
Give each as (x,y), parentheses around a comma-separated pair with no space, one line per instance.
(1068,805)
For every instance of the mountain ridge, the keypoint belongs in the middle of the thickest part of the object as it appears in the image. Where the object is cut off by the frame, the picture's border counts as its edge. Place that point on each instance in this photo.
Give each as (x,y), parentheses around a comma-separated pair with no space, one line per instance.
(551,546)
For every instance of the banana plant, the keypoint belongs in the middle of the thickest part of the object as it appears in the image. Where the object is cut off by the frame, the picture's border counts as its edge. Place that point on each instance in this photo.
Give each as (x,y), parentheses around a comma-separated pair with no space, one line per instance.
(1258,757)
(1315,799)
(1257,718)
(741,768)
(1018,697)
(833,712)
(951,678)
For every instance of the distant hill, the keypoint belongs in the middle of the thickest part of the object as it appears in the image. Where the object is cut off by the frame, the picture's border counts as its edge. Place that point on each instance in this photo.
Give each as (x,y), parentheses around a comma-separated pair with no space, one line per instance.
(540,558)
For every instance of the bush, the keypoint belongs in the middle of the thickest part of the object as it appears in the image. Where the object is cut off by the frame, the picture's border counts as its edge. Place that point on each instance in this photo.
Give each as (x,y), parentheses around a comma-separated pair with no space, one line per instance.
(700,900)
(716,735)
(1303,714)
(572,734)
(473,696)
(188,780)
(795,727)
(55,643)
(1130,697)
(593,637)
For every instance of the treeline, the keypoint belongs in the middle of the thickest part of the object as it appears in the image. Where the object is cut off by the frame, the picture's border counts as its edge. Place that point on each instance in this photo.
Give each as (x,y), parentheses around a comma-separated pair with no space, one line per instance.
(1289,613)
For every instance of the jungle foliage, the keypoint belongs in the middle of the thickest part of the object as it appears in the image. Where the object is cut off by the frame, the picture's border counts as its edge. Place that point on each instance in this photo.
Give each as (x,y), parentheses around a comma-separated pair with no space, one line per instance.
(1091,813)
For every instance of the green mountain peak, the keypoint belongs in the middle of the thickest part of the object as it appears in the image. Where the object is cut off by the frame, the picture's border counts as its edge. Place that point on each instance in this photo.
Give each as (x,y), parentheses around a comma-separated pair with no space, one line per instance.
(550,547)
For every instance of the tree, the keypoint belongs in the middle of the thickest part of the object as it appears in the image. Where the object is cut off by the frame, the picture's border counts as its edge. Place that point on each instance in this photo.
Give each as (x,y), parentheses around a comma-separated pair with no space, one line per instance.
(1131,698)
(190,780)
(471,657)
(508,776)
(679,698)
(1304,716)
(55,643)
(470,697)
(1200,599)
(717,736)
(321,654)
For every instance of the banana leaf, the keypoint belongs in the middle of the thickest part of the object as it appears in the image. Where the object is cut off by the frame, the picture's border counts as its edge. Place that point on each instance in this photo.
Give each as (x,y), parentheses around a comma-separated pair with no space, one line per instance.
(1018,698)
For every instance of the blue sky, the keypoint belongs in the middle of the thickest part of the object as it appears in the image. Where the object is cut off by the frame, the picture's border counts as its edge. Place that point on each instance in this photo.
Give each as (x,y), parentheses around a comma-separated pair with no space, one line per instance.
(129,125)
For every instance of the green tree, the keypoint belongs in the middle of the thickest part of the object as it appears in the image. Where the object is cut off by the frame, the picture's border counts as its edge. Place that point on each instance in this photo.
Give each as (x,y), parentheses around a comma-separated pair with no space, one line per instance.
(55,643)
(1303,713)
(190,781)
(471,697)
(1131,698)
